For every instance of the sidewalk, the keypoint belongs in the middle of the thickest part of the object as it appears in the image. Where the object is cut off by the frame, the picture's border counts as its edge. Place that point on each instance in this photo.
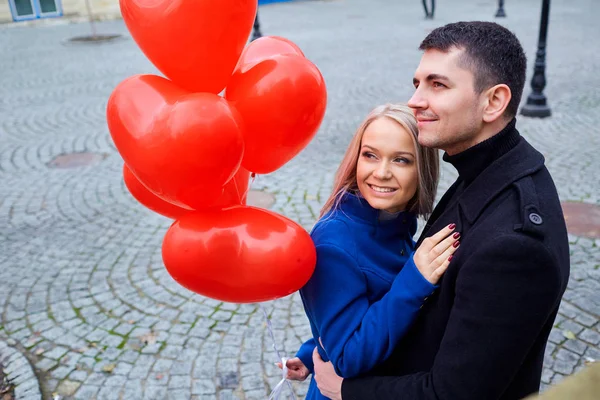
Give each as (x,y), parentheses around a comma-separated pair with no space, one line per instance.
(83,292)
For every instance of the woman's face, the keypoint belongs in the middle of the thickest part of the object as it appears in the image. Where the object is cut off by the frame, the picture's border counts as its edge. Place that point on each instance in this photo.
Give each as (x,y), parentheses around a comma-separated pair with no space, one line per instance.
(386,172)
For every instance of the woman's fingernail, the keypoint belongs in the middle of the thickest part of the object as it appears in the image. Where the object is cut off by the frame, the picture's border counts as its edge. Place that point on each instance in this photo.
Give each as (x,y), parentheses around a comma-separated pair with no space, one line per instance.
(450,258)
(456,244)
(456,235)
(452,226)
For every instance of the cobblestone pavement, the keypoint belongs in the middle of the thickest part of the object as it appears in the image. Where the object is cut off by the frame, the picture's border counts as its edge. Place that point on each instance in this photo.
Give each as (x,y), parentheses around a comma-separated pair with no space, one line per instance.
(83,292)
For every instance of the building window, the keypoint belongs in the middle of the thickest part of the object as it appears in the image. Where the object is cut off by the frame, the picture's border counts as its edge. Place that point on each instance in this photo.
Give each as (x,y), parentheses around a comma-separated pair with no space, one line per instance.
(22,10)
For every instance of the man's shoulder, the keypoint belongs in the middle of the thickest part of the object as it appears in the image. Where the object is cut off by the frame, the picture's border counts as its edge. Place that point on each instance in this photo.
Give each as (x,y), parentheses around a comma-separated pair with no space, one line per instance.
(526,222)
(529,204)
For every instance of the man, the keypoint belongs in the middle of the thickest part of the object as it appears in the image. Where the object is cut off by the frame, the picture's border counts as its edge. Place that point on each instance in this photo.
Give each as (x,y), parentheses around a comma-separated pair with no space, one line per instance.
(483,334)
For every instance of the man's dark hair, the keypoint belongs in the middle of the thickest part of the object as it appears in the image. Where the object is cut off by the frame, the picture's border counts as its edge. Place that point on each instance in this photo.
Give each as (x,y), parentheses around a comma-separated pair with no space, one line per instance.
(492,53)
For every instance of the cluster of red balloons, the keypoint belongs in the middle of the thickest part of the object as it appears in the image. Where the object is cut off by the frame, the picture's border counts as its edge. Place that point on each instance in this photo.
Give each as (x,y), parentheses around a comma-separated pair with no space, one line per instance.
(191,140)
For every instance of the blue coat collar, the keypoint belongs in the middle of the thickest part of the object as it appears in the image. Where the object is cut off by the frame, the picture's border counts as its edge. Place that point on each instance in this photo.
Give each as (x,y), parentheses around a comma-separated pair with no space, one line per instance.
(357,208)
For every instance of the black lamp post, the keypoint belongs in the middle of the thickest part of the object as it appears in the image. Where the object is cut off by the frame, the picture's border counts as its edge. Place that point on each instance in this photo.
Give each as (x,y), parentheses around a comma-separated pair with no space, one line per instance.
(536,105)
(500,13)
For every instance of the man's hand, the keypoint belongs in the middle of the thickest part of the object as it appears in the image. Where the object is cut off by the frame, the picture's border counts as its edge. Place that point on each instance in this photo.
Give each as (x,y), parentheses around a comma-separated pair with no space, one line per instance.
(297,371)
(328,382)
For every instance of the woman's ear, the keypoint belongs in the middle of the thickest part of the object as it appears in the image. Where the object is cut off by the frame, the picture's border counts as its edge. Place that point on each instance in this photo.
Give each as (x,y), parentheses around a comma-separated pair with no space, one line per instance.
(496,101)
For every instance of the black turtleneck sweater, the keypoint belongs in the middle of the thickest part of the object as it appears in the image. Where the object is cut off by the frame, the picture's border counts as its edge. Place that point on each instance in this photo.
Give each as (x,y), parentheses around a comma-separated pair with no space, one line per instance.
(474,160)
(482,335)
(470,163)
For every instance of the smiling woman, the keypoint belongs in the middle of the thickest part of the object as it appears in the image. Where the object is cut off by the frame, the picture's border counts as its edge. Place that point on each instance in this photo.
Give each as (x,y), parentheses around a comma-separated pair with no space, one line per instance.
(365,249)
(386,171)
(389,131)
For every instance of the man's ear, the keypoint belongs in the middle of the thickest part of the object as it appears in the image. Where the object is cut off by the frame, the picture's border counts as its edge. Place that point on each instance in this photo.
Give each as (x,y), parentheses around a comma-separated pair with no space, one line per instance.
(496,100)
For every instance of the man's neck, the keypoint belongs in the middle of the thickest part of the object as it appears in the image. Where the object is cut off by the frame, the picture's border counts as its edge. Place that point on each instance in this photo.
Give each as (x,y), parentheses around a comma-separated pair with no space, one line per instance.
(470,162)
(488,130)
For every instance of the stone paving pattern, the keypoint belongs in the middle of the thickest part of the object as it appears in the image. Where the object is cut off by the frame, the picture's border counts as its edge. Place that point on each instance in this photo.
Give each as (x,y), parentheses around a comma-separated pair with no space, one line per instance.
(83,291)
(18,371)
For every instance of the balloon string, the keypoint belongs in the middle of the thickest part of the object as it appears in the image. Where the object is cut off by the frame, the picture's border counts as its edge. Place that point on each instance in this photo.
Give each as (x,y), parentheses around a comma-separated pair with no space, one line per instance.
(277,390)
(253,176)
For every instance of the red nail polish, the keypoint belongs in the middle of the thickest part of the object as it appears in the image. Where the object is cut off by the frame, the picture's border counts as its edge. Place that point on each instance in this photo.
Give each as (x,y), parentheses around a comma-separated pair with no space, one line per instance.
(450,258)
(452,226)
(456,235)
(456,244)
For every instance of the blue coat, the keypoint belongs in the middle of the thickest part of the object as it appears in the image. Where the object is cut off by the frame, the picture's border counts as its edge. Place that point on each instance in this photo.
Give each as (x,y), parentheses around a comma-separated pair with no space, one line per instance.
(360,257)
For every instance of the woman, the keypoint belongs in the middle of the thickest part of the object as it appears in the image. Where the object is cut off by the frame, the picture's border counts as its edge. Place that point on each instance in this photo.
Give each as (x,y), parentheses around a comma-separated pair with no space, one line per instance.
(365,248)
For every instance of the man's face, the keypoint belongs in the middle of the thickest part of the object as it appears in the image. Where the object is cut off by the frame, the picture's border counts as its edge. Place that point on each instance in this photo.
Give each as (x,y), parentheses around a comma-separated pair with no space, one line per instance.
(448,110)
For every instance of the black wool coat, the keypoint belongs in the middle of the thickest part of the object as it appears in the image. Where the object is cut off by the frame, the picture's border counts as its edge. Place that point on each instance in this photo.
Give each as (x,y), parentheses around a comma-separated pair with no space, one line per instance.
(482,335)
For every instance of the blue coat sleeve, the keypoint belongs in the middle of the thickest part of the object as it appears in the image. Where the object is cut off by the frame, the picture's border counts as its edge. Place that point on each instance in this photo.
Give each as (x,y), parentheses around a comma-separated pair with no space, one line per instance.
(305,354)
(357,336)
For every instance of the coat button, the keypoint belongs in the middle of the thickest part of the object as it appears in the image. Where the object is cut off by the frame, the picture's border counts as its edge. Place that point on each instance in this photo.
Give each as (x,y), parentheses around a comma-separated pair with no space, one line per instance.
(535,218)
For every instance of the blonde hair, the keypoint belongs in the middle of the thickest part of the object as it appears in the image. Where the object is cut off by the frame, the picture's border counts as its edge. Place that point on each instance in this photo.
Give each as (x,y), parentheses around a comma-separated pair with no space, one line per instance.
(428,163)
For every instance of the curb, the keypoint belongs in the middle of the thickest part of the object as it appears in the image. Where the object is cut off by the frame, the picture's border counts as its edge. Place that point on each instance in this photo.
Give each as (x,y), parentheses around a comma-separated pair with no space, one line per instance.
(19,372)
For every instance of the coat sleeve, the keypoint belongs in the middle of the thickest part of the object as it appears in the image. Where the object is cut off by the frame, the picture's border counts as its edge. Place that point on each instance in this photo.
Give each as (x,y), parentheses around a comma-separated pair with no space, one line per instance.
(357,336)
(305,354)
(505,293)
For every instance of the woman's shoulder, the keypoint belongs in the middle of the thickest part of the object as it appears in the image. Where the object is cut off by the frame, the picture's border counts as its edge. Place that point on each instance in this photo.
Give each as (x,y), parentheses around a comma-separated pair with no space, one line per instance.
(334,228)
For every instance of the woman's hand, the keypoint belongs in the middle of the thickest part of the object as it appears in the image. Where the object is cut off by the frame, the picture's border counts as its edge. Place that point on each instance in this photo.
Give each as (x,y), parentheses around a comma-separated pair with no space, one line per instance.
(435,253)
(296,369)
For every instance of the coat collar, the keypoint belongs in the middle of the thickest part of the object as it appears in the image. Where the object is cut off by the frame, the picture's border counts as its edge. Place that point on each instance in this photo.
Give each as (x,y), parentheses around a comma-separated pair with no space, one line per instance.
(355,207)
(521,161)
(472,161)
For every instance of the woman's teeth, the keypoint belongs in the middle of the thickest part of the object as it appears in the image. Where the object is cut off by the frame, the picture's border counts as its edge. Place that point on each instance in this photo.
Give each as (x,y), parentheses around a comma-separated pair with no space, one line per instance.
(382,189)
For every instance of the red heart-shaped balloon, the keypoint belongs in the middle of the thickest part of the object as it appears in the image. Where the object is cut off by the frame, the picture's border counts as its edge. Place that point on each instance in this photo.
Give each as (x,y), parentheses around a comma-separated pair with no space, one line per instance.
(195,43)
(263,48)
(234,194)
(235,191)
(182,146)
(239,255)
(282,101)
(149,199)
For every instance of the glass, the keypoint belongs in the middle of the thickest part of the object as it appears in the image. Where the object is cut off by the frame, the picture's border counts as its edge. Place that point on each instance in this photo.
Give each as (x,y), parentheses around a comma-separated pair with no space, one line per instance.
(23,8)
(48,6)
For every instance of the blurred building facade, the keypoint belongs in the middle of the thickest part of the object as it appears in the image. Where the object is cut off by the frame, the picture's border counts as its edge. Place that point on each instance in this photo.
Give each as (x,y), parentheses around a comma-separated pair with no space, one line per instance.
(27,10)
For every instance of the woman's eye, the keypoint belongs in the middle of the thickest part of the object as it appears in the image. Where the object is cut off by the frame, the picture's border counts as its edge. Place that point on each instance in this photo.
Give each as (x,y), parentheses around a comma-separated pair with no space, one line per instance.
(402,160)
(368,154)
